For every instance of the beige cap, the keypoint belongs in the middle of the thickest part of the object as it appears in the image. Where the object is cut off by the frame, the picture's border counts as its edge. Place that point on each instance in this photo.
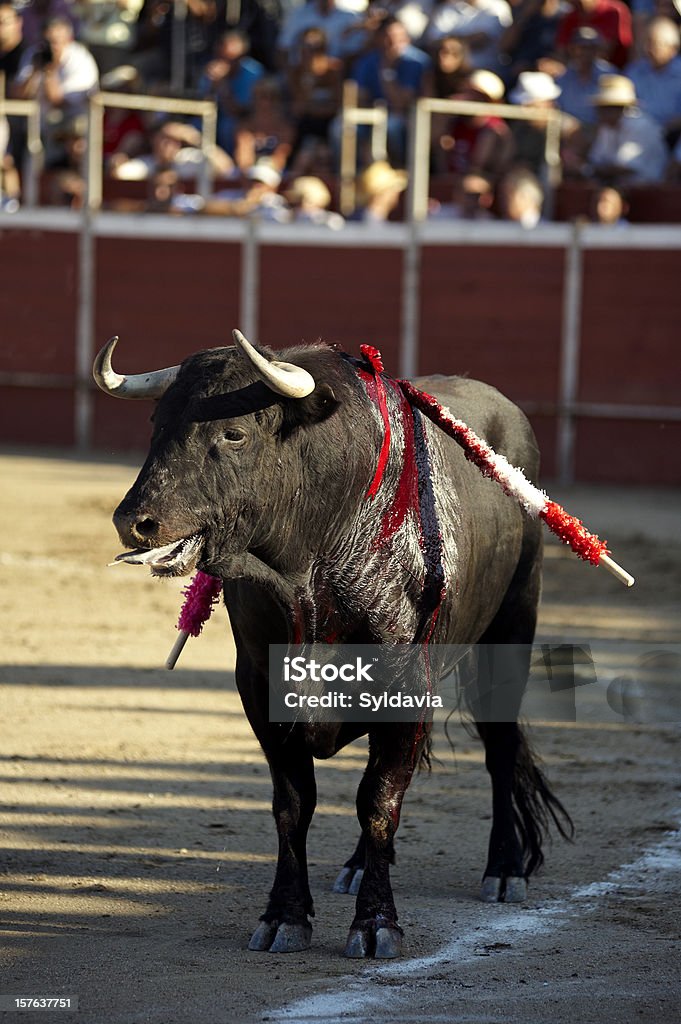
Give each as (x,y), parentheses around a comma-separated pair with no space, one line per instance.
(381,177)
(308,189)
(615,91)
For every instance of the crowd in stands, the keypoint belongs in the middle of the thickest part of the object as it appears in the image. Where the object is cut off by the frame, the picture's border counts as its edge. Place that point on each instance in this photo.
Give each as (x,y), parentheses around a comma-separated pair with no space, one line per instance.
(276,70)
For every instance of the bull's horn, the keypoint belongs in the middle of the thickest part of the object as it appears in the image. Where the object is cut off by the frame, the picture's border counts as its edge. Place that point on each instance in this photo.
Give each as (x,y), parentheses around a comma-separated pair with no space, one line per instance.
(284,378)
(140,385)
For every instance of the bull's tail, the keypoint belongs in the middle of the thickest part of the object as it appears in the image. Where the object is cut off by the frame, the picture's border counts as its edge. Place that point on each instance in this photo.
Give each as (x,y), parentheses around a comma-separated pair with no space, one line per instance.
(535,806)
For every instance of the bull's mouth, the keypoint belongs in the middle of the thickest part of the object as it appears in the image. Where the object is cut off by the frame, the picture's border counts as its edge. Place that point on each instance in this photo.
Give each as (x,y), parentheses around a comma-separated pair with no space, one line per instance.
(176,559)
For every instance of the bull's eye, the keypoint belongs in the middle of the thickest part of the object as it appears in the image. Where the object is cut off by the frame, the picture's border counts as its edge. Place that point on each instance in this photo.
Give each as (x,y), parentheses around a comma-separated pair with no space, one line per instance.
(234,436)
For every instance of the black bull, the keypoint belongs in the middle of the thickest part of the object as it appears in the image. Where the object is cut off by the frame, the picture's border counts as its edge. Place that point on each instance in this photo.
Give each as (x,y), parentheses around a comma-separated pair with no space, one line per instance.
(344,514)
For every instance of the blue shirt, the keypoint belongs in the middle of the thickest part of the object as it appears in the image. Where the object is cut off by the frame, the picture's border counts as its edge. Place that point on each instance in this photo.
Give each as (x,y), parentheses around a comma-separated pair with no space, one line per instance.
(409,69)
(658,90)
(577,93)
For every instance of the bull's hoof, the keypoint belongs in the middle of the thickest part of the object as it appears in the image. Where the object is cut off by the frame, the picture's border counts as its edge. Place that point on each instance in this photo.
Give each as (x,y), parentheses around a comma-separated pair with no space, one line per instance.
(348,881)
(516,890)
(375,937)
(510,889)
(263,936)
(357,947)
(388,943)
(281,938)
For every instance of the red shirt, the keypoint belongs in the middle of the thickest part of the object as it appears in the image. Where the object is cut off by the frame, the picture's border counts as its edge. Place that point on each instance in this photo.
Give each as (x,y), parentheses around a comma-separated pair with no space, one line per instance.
(466,131)
(611,18)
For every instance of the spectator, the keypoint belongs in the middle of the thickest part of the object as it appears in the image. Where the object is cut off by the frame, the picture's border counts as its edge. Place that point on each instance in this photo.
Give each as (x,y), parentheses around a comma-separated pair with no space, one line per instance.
(123,131)
(13,147)
(610,208)
(108,29)
(154,42)
(10,188)
(62,73)
(475,197)
(643,11)
(67,184)
(413,14)
(579,82)
(164,191)
(230,79)
(521,198)
(380,188)
(322,14)
(479,146)
(260,22)
(480,23)
(12,44)
(176,146)
(393,71)
(267,132)
(538,91)
(37,13)
(315,90)
(628,147)
(451,68)
(531,38)
(261,197)
(610,18)
(657,75)
(310,199)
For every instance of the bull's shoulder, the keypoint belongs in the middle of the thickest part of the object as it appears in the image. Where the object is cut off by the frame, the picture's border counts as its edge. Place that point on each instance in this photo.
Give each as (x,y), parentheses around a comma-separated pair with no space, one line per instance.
(490,414)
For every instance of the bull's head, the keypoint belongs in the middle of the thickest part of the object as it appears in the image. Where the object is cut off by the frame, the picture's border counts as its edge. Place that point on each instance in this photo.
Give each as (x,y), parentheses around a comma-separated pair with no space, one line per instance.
(219,479)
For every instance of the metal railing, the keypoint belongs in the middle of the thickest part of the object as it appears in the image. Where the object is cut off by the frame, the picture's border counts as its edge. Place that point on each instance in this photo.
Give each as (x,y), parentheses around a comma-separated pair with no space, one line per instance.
(352,117)
(33,163)
(205,109)
(420,143)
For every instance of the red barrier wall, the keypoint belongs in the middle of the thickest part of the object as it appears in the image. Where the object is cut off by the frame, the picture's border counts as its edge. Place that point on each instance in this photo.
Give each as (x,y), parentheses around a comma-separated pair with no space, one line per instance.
(492,311)
(38,301)
(165,299)
(345,296)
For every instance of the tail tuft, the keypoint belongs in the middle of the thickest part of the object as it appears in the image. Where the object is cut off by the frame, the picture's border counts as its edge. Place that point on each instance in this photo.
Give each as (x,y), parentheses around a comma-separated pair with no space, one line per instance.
(535,807)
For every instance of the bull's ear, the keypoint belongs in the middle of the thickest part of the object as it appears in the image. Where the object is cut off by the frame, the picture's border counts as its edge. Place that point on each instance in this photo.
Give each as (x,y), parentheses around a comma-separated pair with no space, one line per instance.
(315,408)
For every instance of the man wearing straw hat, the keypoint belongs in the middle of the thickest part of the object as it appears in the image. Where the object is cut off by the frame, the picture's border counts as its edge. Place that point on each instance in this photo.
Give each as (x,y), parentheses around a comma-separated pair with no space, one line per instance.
(628,147)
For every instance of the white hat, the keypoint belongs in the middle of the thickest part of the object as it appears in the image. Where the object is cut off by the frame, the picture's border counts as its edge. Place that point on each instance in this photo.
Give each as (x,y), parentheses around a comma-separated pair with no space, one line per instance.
(264,172)
(534,87)
(615,91)
(487,83)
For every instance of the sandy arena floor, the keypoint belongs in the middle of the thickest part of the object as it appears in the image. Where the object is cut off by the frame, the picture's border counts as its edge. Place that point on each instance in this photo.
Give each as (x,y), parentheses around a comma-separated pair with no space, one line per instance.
(137,847)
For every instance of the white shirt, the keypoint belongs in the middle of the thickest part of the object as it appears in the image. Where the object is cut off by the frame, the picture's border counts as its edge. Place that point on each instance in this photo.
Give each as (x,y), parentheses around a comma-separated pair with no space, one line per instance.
(76,73)
(333,24)
(188,164)
(459,18)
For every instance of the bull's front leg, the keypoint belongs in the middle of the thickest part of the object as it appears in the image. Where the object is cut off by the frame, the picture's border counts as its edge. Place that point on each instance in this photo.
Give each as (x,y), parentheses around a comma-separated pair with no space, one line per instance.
(393,753)
(284,927)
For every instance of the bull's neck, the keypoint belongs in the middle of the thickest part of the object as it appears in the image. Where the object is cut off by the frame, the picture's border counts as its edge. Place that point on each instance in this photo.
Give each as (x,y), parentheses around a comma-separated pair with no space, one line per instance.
(371,568)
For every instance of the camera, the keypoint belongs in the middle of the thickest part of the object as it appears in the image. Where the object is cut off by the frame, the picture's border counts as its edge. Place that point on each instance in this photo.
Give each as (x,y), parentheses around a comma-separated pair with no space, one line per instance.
(43,55)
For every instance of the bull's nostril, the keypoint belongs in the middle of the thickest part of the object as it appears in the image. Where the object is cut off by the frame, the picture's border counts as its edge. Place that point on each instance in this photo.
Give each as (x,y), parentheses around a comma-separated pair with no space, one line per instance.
(145,528)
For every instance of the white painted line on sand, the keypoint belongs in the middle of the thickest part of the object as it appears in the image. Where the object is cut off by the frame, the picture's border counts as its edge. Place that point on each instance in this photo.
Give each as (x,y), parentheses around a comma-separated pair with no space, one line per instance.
(354,996)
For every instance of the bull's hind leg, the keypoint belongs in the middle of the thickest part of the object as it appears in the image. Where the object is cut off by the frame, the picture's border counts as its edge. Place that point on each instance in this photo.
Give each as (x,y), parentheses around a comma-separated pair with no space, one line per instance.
(350,875)
(504,877)
(521,799)
(393,753)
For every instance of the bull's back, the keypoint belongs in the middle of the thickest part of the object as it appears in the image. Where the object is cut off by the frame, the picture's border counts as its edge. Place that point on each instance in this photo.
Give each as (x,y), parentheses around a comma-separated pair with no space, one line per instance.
(488,540)
(490,414)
